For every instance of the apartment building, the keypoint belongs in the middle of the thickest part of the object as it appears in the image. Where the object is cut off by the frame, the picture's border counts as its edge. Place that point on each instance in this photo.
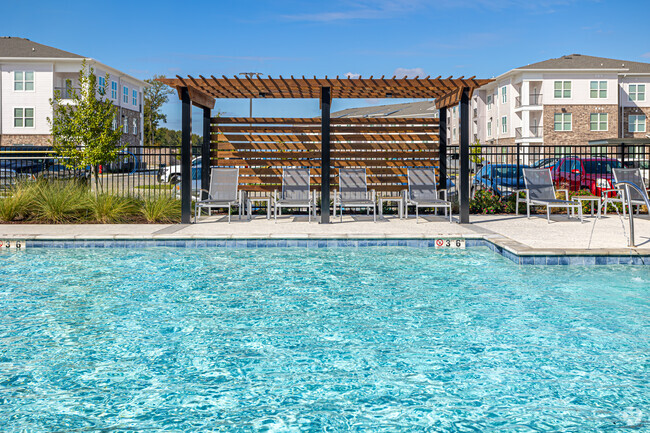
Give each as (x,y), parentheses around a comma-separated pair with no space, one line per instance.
(30,73)
(558,103)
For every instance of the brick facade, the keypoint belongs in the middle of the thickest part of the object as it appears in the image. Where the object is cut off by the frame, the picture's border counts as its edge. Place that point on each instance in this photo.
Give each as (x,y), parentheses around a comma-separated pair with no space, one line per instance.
(129,138)
(25,139)
(580,119)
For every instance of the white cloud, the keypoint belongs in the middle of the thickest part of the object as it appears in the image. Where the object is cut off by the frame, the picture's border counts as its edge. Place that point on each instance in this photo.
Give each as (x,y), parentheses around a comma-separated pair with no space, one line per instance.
(352,75)
(409,73)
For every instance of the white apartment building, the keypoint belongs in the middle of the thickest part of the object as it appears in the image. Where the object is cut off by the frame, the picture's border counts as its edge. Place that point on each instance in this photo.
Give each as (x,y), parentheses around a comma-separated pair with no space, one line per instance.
(30,73)
(560,102)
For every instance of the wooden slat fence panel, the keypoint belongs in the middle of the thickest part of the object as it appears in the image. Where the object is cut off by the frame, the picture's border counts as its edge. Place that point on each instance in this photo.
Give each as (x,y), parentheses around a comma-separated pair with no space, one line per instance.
(386,147)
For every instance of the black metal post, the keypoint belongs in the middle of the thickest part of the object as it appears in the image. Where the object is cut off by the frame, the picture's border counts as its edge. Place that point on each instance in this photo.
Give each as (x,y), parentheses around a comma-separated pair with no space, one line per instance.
(518,164)
(463,187)
(621,153)
(442,152)
(325,99)
(206,160)
(186,157)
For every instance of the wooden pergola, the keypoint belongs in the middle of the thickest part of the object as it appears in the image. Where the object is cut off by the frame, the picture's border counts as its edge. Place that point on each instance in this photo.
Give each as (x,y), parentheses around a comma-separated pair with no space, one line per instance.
(202,91)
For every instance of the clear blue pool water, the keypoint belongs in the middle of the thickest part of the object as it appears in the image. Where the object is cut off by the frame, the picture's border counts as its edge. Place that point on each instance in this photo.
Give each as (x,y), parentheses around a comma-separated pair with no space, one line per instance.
(341,339)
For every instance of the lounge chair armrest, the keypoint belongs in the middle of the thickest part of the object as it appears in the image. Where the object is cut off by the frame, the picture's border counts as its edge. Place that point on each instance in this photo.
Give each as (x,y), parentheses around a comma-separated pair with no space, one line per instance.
(524,190)
(605,192)
(566,193)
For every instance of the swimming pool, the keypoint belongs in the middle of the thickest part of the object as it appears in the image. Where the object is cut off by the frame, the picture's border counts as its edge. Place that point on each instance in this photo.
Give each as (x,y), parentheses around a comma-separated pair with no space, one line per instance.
(331,339)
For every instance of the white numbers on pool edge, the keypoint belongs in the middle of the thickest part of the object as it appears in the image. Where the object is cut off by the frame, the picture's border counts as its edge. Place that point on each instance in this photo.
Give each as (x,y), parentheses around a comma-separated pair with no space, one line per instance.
(12,244)
(450,243)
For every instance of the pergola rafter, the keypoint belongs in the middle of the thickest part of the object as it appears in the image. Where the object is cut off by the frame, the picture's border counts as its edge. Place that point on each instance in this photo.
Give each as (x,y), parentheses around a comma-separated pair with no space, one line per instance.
(438,88)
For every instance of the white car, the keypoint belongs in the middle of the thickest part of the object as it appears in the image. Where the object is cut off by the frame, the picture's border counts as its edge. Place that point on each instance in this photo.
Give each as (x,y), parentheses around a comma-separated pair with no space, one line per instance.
(173,174)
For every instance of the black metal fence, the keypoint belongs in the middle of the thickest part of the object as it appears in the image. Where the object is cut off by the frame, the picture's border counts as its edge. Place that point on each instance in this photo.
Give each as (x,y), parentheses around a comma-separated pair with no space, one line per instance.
(142,171)
(498,168)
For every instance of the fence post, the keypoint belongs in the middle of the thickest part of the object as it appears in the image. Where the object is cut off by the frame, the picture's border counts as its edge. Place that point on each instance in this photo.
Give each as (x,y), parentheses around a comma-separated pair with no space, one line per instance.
(518,163)
(442,151)
(463,190)
(325,99)
(186,156)
(206,159)
(621,153)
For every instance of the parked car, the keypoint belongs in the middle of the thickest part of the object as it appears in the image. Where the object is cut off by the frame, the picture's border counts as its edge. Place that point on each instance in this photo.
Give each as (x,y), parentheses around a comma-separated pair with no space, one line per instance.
(503,179)
(60,171)
(594,174)
(545,163)
(172,174)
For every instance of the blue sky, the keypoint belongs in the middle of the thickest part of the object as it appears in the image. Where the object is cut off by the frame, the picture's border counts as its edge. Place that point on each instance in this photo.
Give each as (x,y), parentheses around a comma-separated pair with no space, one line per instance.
(437,37)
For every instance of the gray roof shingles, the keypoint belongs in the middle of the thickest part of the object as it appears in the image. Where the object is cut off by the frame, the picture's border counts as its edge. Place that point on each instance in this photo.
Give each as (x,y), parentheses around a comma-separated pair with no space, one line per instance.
(580,61)
(24,48)
(409,109)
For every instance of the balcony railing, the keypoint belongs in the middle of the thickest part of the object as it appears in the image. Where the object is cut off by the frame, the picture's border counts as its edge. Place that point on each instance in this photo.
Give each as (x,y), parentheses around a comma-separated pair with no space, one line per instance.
(533,99)
(532,132)
(66,92)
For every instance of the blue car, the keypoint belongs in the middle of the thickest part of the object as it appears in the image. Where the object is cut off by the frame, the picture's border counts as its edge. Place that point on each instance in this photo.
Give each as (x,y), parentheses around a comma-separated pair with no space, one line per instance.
(503,179)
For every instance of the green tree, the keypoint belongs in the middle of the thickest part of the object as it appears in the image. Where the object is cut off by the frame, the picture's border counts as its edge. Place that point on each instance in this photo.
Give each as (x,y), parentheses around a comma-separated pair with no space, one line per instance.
(165,137)
(155,96)
(83,132)
(475,152)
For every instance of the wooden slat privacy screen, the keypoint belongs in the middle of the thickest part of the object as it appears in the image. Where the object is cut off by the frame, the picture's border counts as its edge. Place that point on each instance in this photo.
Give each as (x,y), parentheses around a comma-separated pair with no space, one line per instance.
(261,147)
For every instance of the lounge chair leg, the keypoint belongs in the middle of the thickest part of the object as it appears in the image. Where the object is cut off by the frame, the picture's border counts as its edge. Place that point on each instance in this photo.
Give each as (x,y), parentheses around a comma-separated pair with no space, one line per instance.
(228,214)
(528,210)
(417,215)
(548,214)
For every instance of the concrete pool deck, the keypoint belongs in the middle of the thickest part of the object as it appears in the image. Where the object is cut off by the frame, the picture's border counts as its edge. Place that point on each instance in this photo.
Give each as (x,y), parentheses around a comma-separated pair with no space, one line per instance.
(517,234)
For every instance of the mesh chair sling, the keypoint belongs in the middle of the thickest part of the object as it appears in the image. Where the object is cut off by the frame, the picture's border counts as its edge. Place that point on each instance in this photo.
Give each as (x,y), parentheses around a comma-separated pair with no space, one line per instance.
(540,191)
(223,192)
(353,191)
(295,191)
(422,192)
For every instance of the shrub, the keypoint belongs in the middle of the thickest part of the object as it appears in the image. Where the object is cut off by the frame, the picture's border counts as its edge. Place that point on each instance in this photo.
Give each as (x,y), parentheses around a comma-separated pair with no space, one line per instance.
(60,201)
(18,204)
(510,204)
(485,202)
(161,209)
(107,208)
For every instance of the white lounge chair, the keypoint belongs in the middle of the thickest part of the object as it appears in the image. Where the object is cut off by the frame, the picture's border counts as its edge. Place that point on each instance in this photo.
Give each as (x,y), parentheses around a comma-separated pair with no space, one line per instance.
(353,192)
(629,175)
(540,191)
(224,183)
(295,192)
(423,192)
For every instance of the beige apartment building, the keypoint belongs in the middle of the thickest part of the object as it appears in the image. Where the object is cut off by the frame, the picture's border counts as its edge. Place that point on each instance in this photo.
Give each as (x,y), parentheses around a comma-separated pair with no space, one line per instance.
(549,106)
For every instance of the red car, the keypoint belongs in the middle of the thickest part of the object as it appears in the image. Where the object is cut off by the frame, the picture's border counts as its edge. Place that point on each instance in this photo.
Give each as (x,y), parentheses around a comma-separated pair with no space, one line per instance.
(594,174)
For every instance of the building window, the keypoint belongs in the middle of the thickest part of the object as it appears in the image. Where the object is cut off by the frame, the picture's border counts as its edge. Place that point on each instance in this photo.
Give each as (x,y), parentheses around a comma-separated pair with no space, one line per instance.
(562,89)
(23,117)
(504,95)
(453,133)
(562,122)
(489,102)
(489,128)
(114,125)
(637,92)
(125,124)
(113,90)
(101,86)
(598,89)
(504,124)
(135,126)
(125,94)
(24,81)
(598,122)
(637,123)
(134,97)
